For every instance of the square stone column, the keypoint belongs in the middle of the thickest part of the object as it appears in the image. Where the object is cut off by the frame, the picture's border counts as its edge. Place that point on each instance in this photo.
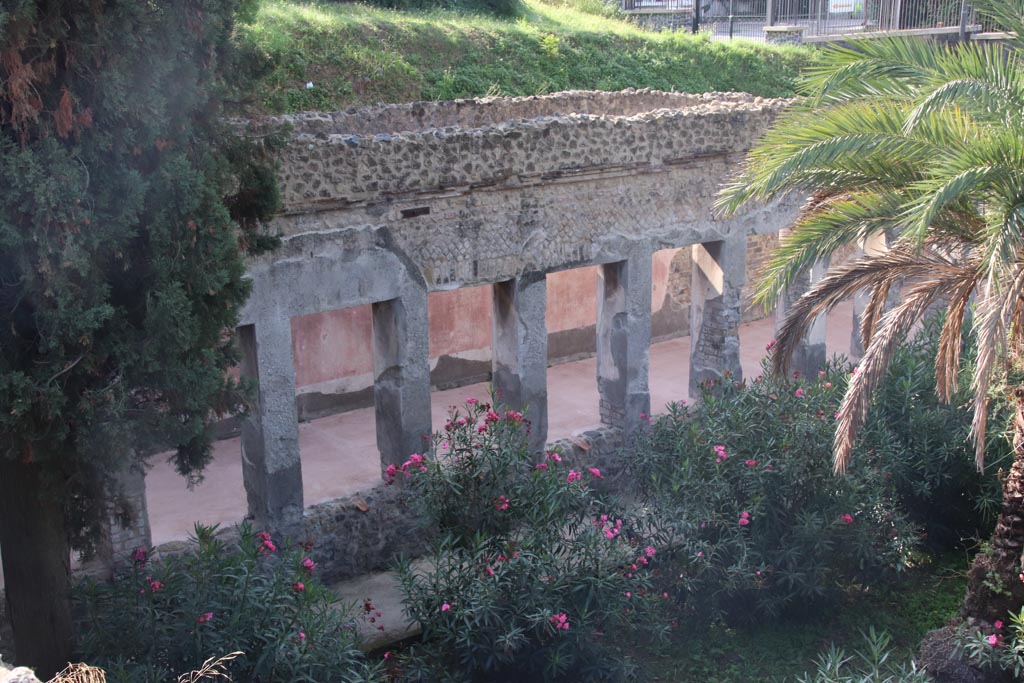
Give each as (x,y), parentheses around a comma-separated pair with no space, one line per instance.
(810,355)
(125,525)
(271,466)
(719,274)
(874,245)
(401,367)
(624,341)
(519,357)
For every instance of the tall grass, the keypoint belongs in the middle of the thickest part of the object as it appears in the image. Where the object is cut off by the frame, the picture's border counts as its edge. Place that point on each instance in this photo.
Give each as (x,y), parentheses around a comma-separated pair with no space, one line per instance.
(356,54)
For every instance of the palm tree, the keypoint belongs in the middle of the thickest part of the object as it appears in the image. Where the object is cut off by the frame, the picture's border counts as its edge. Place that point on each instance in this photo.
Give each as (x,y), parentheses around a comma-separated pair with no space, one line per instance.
(924,144)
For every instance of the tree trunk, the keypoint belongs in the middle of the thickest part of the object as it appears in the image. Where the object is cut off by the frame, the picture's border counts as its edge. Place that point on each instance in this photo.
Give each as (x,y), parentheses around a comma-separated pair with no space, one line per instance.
(994,584)
(36,563)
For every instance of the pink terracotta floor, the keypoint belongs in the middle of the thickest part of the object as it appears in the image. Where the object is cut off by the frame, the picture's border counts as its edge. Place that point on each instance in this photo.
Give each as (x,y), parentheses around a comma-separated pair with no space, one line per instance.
(339,453)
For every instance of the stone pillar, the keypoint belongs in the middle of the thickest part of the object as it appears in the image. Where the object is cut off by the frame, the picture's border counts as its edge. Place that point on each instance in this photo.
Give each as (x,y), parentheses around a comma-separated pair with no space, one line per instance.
(719,273)
(125,527)
(401,367)
(624,340)
(271,466)
(872,246)
(810,355)
(519,359)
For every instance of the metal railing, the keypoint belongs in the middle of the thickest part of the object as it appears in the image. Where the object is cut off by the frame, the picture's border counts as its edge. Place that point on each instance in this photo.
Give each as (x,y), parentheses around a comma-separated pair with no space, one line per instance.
(748,18)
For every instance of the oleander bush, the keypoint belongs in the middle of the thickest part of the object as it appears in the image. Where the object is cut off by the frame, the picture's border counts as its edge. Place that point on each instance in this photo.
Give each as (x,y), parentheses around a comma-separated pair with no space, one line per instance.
(163,617)
(533,573)
(751,516)
(873,663)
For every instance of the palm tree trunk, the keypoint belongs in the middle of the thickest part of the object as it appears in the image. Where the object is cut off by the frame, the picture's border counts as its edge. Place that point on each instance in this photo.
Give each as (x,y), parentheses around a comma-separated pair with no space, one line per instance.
(36,564)
(994,585)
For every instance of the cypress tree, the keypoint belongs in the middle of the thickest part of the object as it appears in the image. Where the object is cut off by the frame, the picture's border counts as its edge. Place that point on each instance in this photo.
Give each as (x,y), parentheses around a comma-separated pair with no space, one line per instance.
(121,271)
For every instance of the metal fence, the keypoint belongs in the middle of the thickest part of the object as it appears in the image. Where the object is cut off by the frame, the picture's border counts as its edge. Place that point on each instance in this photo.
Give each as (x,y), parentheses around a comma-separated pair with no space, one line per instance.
(748,18)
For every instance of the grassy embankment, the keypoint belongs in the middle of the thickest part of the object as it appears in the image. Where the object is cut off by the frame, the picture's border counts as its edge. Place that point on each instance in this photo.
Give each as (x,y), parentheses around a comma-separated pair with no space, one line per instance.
(356,54)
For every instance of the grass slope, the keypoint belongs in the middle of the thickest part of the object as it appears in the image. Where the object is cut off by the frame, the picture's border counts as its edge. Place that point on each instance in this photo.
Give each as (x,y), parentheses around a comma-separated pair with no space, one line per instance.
(355,54)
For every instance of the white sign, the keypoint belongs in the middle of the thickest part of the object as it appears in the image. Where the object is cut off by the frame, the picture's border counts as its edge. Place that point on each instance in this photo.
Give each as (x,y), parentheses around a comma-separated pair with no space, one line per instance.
(841,6)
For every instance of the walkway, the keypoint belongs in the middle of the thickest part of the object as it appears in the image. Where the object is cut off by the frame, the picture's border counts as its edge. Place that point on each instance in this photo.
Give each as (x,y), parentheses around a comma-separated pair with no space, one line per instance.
(339,452)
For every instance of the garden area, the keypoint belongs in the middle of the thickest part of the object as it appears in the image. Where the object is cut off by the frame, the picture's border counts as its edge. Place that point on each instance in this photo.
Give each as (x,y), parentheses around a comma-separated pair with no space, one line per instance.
(813,528)
(725,550)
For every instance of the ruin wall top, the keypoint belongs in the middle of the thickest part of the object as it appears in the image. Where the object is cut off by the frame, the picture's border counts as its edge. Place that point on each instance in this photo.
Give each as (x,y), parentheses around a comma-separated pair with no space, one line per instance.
(386,152)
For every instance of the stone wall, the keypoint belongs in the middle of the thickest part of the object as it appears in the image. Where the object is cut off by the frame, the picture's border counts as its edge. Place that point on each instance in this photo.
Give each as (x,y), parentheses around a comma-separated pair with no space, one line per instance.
(388,204)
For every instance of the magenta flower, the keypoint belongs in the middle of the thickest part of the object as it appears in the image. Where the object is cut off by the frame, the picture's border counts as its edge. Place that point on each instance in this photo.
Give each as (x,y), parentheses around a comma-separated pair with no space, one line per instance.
(501,503)
(750,463)
(154,585)
(308,565)
(573,476)
(140,556)
(594,472)
(266,543)
(471,401)
(799,393)
(650,551)
(554,457)
(561,621)
(993,640)
(298,586)
(445,607)
(744,518)
(205,617)
(846,517)
(998,625)
(541,466)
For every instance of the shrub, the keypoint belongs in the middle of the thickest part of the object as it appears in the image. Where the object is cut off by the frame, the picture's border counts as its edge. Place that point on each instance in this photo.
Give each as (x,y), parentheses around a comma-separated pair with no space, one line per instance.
(748,507)
(501,8)
(999,648)
(532,573)
(928,450)
(165,617)
(871,665)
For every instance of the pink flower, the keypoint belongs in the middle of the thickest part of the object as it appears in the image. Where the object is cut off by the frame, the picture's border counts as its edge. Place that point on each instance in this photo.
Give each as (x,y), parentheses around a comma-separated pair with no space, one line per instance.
(300,637)
(391,471)
(471,401)
(491,416)
(720,453)
(205,617)
(513,416)
(799,393)
(573,476)
(594,472)
(700,553)
(266,543)
(154,585)
(480,429)
(750,463)
(649,551)
(445,607)
(140,556)
(998,625)
(828,385)
(541,466)
(298,586)
(993,640)
(744,521)
(501,503)
(554,457)
(561,621)
(821,373)
(769,345)
(308,565)
(847,518)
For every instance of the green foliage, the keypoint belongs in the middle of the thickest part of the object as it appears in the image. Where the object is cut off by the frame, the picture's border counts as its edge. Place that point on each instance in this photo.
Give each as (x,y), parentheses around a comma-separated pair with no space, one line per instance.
(999,647)
(163,618)
(532,573)
(926,445)
(751,515)
(869,665)
(121,265)
(355,55)
(500,8)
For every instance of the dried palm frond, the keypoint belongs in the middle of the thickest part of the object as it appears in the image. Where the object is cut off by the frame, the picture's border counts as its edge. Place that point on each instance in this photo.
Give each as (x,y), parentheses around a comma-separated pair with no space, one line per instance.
(80,673)
(212,668)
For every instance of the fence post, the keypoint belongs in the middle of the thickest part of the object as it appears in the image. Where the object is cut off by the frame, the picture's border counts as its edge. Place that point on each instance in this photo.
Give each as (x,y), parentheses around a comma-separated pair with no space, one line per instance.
(732,15)
(964,13)
(696,15)
(769,12)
